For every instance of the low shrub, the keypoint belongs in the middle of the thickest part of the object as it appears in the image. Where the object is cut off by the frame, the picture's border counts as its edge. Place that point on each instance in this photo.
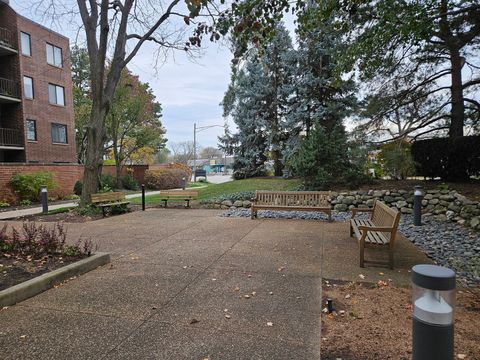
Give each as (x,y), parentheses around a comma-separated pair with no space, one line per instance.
(129,183)
(77,188)
(107,181)
(25,202)
(4,204)
(28,185)
(163,179)
(38,240)
(89,210)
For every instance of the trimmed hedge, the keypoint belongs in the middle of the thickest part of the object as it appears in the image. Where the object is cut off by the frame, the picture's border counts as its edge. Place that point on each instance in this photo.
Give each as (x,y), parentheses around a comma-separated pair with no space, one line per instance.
(163,179)
(450,159)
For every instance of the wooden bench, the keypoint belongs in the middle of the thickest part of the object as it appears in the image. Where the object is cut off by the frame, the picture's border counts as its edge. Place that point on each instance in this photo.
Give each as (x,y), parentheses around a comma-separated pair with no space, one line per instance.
(178,195)
(377,232)
(109,199)
(292,201)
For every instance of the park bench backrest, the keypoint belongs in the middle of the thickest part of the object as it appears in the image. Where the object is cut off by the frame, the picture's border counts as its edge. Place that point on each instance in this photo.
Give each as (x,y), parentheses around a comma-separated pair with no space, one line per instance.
(107,197)
(383,215)
(293,198)
(191,193)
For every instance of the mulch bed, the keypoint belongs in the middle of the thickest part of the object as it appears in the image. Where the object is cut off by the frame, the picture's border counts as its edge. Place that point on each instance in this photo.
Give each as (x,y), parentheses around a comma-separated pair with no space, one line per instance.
(15,269)
(375,322)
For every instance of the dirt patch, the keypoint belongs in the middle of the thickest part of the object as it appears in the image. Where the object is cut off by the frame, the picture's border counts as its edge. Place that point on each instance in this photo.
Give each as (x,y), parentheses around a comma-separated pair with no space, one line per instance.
(372,322)
(67,217)
(15,269)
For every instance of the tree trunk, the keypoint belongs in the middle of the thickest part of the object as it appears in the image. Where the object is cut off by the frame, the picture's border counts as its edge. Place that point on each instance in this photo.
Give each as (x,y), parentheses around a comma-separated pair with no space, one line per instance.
(458,107)
(277,164)
(94,153)
(118,173)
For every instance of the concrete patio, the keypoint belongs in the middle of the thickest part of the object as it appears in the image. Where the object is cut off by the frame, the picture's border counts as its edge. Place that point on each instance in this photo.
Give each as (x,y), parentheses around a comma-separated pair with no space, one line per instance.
(188,284)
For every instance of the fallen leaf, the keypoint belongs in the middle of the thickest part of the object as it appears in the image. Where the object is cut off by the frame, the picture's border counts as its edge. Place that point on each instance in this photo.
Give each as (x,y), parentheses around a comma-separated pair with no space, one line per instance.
(23,336)
(254,293)
(381,273)
(271,292)
(246,296)
(225,310)
(214,279)
(269,323)
(227,316)
(347,296)
(325,310)
(236,289)
(361,276)
(194,321)
(461,356)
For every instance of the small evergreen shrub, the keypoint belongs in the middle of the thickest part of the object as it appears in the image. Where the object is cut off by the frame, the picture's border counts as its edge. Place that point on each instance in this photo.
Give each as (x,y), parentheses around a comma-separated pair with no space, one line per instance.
(129,183)
(28,184)
(77,188)
(25,202)
(107,181)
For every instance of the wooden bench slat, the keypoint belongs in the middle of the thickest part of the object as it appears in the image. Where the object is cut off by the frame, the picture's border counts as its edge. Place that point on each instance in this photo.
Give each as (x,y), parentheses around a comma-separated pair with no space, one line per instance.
(178,195)
(382,218)
(105,200)
(291,201)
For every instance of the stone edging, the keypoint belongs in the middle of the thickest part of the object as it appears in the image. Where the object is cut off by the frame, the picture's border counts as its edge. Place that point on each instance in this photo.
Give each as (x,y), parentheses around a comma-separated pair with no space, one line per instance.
(35,286)
(444,205)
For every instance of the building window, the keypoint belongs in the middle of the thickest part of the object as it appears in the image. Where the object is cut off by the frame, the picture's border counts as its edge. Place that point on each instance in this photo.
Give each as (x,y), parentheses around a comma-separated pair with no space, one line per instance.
(28,87)
(26,45)
(31,130)
(56,94)
(59,133)
(54,55)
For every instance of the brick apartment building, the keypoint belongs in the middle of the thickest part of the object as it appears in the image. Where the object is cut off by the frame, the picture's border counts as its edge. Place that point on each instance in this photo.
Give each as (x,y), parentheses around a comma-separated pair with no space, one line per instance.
(36,105)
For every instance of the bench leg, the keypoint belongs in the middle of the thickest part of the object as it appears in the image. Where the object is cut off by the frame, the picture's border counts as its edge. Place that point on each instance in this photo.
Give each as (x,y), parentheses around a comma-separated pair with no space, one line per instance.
(390,258)
(351,230)
(103,211)
(188,203)
(362,251)
(252,213)
(329,216)
(165,203)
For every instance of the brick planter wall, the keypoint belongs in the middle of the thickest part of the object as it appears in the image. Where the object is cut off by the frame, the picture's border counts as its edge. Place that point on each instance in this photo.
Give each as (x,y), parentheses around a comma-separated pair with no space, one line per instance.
(65,176)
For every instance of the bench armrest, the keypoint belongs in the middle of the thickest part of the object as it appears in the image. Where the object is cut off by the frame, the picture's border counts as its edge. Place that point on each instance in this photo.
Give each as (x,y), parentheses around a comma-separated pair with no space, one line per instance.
(357,210)
(376,228)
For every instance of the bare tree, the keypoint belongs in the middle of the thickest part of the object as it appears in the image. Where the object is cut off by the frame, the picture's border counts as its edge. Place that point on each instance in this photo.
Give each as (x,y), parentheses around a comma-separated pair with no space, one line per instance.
(210,152)
(115,31)
(182,152)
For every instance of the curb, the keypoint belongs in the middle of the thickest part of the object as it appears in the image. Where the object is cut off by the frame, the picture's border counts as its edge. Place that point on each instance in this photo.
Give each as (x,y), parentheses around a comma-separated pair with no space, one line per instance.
(35,286)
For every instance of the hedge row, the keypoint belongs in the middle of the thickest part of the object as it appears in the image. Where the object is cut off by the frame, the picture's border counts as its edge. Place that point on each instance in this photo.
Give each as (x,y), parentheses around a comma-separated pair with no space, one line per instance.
(450,159)
(163,179)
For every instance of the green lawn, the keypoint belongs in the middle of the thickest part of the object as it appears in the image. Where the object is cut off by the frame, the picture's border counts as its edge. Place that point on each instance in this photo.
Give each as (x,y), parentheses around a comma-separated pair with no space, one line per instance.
(215,190)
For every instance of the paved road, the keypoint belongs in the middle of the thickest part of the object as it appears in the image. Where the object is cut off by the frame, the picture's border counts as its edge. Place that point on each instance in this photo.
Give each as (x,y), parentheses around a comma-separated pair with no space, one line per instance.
(183,284)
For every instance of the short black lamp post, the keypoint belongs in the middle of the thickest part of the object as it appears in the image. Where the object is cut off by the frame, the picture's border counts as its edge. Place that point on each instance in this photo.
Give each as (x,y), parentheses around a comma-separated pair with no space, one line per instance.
(143,197)
(433,299)
(417,205)
(44,198)
(184,183)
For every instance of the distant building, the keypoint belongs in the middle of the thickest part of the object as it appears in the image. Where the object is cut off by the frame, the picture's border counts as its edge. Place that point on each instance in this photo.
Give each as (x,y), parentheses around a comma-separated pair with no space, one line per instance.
(215,165)
(36,105)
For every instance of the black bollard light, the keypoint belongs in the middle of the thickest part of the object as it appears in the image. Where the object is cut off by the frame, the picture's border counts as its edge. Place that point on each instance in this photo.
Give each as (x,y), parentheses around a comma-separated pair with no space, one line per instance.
(44,198)
(433,299)
(330,306)
(184,183)
(143,197)
(417,205)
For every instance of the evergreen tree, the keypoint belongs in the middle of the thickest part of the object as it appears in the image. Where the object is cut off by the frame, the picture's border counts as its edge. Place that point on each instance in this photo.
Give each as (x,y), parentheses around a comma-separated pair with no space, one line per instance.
(257,100)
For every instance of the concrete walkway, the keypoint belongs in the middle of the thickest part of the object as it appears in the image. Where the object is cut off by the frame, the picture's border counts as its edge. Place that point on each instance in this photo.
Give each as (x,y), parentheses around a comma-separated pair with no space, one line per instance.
(183,284)
(38,210)
(187,284)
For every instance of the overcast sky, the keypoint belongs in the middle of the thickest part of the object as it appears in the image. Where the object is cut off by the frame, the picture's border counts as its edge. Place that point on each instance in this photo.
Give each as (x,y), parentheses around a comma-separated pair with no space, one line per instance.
(189,92)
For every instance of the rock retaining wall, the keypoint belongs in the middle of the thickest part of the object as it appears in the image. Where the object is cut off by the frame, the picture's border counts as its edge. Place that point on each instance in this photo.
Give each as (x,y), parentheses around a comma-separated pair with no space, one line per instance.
(444,205)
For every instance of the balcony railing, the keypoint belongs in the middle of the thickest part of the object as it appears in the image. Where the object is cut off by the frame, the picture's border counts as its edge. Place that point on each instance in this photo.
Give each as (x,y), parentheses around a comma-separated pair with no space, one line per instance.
(11,137)
(9,88)
(7,38)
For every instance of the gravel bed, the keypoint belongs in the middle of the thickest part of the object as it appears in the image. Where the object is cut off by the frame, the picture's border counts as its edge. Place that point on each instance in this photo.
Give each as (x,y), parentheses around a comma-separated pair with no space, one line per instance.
(446,243)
